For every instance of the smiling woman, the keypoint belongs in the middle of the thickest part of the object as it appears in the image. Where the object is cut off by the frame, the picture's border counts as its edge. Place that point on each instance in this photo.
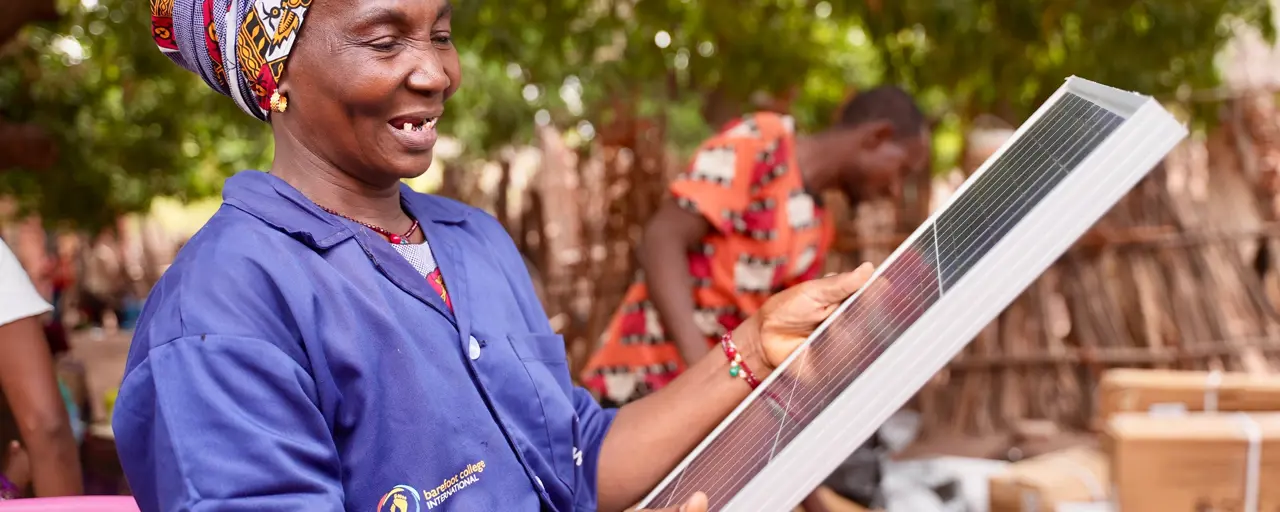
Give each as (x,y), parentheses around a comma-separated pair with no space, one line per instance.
(367,88)
(303,352)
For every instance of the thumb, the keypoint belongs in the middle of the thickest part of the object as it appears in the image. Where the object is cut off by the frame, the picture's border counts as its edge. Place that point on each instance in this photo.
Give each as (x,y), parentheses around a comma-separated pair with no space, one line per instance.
(696,503)
(835,289)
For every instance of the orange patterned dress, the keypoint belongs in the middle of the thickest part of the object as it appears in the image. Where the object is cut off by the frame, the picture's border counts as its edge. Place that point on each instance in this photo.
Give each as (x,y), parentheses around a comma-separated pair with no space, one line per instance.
(769,233)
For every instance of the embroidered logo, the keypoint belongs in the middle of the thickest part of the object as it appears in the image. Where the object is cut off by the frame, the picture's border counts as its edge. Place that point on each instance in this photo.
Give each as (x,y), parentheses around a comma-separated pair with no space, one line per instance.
(453,485)
(403,498)
(399,499)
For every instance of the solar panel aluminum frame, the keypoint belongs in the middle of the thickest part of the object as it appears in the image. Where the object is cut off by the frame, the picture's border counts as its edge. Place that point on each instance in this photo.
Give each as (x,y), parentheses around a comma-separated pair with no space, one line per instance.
(1147,133)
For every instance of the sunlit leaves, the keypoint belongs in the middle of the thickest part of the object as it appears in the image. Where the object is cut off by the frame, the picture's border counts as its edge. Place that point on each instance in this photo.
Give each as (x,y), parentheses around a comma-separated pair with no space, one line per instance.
(131,125)
(668,54)
(1006,57)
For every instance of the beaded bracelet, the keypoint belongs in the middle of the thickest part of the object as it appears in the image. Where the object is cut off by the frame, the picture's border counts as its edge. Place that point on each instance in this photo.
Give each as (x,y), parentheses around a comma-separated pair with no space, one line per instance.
(737,367)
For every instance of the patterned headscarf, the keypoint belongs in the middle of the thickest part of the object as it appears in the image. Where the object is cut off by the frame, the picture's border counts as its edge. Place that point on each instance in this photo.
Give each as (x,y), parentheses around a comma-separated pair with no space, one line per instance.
(238,47)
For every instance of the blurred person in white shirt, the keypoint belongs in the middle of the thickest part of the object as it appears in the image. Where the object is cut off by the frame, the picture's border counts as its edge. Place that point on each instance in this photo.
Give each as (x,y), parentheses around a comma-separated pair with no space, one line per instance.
(47,457)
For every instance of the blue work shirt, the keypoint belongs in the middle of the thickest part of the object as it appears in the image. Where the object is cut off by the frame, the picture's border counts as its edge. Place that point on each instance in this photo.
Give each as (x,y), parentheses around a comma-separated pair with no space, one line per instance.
(290,359)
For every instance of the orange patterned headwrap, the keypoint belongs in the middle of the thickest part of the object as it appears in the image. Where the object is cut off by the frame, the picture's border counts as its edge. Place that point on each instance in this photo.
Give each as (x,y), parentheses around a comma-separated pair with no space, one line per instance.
(239,47)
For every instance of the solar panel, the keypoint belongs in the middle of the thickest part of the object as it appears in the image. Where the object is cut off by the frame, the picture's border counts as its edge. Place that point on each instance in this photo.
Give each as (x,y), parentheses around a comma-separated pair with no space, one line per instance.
(1077,155)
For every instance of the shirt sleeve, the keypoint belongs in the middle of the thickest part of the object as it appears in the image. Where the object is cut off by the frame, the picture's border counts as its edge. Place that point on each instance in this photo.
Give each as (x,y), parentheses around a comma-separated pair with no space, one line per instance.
(225,423)
(726,169)
(593,424)
(18,297)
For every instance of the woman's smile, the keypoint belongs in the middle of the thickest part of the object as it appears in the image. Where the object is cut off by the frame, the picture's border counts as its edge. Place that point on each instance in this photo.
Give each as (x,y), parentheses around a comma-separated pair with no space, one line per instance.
(247,386)
(416,132)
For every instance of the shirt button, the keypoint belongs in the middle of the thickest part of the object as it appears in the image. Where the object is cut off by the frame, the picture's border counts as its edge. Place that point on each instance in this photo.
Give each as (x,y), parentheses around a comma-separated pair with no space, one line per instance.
(474,348)
(539,482)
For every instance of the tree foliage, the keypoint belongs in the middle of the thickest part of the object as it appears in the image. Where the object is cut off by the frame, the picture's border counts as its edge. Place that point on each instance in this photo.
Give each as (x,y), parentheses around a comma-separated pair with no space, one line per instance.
(666,56)
(131,126)
(1157,47)
(964,57)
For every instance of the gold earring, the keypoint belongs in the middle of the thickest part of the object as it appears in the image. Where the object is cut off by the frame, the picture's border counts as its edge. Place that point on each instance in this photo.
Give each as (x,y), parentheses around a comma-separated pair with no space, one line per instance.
(279,102)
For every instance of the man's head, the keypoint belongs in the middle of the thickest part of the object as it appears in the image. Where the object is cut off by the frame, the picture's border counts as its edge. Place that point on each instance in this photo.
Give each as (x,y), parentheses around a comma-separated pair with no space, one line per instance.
(882,137)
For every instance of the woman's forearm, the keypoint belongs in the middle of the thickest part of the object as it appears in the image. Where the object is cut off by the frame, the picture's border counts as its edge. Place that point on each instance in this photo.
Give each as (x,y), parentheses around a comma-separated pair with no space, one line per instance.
(27,378)
(55,463)
(651,435)
(665,261)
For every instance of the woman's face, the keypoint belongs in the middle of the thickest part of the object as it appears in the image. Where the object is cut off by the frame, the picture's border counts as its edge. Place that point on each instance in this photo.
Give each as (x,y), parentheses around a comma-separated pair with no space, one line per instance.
(367,82)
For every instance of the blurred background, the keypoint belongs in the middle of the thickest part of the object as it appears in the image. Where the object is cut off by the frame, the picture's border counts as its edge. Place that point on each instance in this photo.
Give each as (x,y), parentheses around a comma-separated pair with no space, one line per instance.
(575,115)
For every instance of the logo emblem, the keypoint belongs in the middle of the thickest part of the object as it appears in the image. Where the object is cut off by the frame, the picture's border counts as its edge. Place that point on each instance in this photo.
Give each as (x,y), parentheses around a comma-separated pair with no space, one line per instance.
(401,498)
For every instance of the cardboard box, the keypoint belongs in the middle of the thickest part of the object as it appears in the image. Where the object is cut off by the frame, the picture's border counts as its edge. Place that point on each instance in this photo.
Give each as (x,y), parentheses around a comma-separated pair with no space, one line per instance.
(1135,390)
(836,503)
(1197,462)
(1044,483)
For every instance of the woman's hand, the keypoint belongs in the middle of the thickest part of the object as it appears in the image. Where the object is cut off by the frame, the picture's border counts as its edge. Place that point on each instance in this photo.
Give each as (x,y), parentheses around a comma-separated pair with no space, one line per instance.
(788,318)
(651,435)
(696,503)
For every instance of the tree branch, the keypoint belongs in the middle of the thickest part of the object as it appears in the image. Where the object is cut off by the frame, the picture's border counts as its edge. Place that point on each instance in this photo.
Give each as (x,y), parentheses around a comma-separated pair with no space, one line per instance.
(16,13)
(26,146)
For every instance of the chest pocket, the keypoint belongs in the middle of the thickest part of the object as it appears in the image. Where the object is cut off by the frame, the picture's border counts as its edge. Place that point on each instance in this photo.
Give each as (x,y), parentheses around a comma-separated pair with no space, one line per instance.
(547,367)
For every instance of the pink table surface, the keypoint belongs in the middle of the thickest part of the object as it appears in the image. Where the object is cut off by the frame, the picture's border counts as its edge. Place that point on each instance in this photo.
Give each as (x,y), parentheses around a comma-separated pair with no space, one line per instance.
(71,504)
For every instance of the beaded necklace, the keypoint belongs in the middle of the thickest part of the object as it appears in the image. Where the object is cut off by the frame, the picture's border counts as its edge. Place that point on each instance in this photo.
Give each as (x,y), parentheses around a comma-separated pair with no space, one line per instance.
(391,237)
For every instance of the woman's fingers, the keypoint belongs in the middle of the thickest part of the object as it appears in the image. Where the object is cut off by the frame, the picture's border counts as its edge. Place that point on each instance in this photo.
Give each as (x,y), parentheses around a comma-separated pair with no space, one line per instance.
(788,318)
(18,467)
(835,289)
(696,503)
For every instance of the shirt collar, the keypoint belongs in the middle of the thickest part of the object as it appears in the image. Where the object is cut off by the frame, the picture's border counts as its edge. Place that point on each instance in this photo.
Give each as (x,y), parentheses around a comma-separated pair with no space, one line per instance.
(275,202)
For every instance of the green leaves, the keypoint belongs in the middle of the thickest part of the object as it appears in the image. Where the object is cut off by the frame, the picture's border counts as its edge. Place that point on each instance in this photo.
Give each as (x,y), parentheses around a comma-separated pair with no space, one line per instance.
(131,126)
(1006,57)
(668,56)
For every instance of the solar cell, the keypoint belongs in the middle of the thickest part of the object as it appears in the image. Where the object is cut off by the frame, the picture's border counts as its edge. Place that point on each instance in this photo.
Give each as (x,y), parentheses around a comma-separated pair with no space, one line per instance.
(1060,172)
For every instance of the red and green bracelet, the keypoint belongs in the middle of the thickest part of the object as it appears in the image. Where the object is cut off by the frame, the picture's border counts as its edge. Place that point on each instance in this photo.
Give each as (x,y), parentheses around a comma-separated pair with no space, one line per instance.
(737,367)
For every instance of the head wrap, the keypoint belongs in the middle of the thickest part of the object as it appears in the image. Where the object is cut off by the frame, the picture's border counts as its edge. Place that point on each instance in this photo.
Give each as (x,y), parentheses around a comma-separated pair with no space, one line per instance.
(238,47)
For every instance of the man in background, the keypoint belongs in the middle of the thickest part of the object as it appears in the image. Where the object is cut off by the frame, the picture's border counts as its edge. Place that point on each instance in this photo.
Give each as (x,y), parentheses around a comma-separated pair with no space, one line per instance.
(744,222)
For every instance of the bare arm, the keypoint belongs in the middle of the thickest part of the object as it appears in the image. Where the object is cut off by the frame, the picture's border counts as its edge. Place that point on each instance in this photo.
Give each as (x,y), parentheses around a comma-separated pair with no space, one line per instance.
(664,257)
(813,503)
(648,437)
(27,379)
(651,435)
